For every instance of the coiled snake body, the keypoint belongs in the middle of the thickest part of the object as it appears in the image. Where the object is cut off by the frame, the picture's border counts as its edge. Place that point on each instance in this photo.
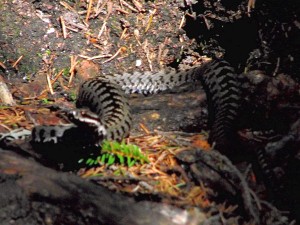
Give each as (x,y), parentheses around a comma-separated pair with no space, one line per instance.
(103,110)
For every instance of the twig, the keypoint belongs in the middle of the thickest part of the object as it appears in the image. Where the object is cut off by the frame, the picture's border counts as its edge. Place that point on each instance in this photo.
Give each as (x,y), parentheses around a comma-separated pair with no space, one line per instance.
(115,55)
(49,84)
(63,26)
(250,5)
(2,65)
(146,50)
(57,76)
(6,127)
(109,10)
(123,33)
(89,11)
(150,20)
(98,9)
(192,16)
(137,36)
(42,16)
(72,29)
(95,57)
(182,22)
(138,6)
(160,51)
(256,199)
(74,62)
(206,22)
(128,6)
(144,128)
(277,67)
(122,11)
(103,27)
(16,63)
(67,6)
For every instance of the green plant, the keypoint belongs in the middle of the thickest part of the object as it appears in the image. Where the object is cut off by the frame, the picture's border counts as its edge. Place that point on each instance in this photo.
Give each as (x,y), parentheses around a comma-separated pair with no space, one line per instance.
(27,77)
(115,152)
(46,101)
(66,72)
(73,96)
(48,52)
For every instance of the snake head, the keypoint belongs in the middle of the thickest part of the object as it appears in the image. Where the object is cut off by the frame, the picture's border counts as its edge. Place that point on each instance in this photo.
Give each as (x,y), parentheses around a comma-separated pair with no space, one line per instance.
(88,120)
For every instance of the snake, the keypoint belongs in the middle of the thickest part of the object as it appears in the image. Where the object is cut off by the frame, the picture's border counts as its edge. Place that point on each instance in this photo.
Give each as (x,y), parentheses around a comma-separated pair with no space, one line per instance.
(103,112)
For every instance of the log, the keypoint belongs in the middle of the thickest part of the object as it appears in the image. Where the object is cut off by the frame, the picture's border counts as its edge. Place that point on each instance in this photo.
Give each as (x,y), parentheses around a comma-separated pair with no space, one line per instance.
(33,194)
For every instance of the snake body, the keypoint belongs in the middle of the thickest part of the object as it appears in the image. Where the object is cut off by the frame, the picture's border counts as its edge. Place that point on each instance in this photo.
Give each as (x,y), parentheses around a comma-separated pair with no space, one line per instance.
(103,109)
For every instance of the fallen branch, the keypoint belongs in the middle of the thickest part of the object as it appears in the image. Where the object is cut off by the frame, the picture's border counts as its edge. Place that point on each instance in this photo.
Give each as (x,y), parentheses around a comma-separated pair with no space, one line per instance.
(35,194)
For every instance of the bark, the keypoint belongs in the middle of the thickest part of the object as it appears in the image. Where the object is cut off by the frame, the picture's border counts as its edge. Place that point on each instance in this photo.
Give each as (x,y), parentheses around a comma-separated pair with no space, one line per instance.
(33,194)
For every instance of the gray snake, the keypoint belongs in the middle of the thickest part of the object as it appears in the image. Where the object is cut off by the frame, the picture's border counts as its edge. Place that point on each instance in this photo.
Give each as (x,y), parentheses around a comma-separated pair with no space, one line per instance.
(103,110)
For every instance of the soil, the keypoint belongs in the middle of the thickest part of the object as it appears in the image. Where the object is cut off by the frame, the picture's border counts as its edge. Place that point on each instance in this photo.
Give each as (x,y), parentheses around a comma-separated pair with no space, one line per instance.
(149,42)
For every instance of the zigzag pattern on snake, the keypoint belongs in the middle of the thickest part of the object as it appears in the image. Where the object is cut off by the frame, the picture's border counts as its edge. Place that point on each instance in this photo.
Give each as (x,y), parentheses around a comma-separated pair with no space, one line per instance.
(103,108)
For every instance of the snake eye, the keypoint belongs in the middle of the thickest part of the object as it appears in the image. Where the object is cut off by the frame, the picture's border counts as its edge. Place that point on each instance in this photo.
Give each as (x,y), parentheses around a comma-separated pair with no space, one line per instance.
(72,114)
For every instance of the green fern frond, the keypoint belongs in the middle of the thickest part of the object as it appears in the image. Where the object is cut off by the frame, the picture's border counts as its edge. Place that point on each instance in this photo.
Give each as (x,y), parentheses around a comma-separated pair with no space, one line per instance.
(115,152)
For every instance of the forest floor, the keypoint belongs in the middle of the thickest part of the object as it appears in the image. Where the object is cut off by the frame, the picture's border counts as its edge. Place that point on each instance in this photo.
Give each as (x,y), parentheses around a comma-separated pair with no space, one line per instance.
(47,48)
(48,41)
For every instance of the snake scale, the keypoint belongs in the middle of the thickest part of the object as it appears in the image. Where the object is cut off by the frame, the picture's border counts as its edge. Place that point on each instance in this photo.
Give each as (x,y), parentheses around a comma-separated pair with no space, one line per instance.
(103,110)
